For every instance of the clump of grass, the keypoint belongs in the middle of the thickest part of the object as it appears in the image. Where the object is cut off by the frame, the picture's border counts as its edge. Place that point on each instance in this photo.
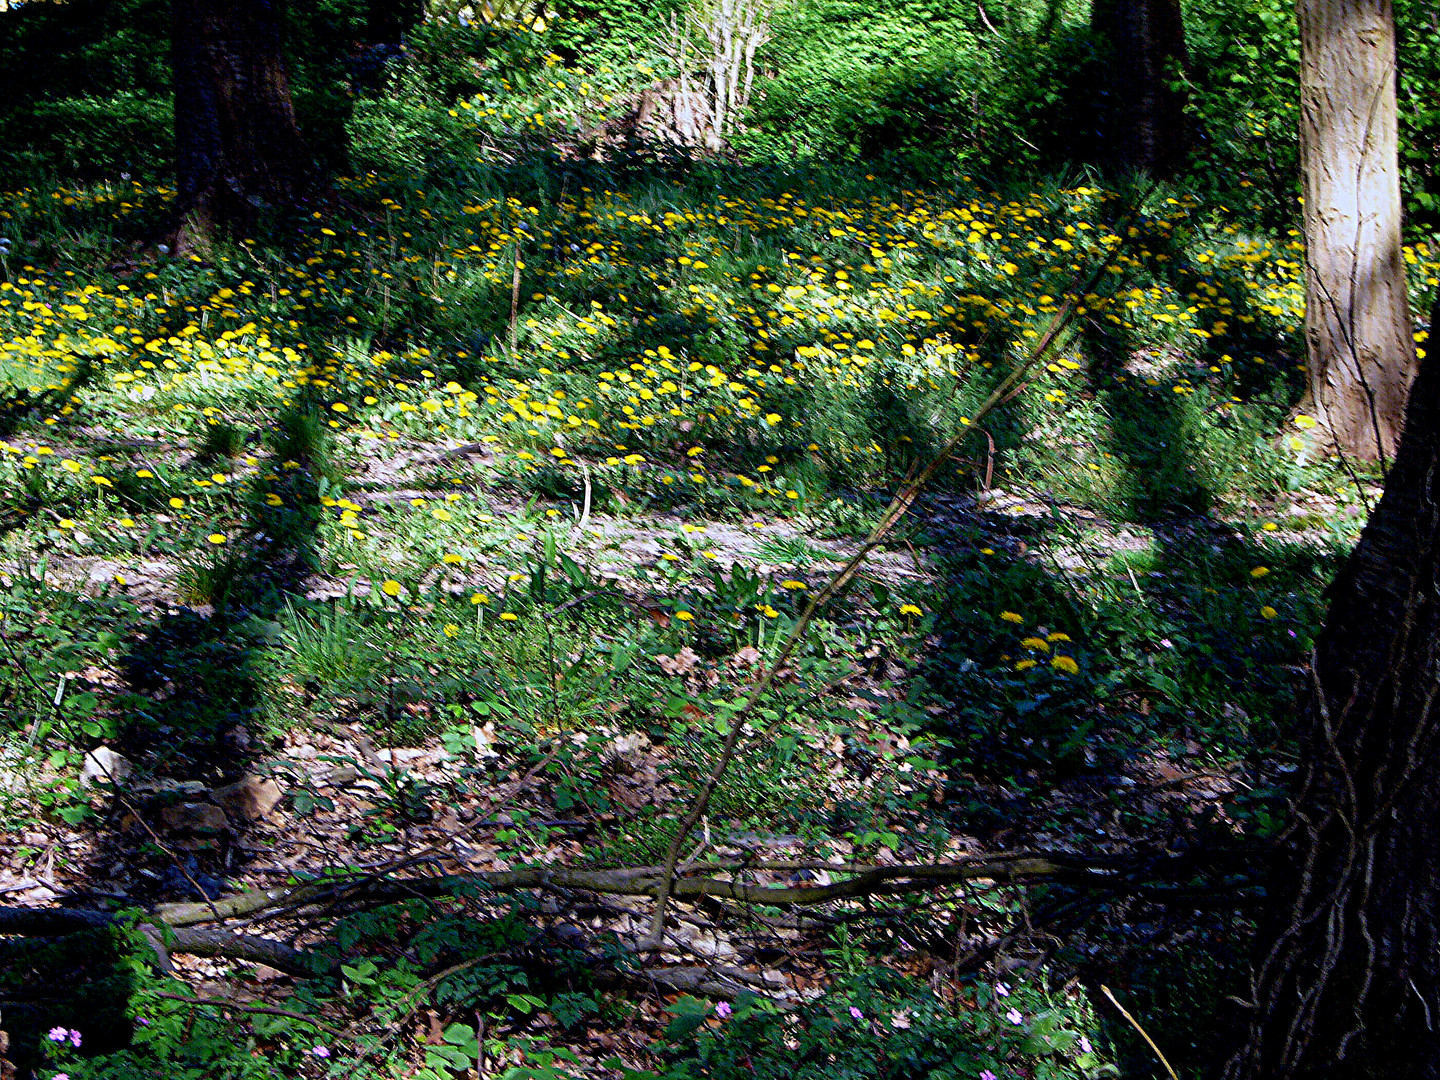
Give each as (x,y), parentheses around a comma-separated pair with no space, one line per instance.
(221,439)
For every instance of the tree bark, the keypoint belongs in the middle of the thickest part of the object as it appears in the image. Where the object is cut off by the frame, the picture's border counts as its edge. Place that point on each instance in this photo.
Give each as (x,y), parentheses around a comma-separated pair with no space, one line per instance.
(1349,984)
(1360,356)
(1147,114)
(238,147)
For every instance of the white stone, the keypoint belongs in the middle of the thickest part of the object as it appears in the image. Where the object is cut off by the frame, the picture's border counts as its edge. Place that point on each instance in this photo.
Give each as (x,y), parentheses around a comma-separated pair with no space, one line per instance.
(103,765)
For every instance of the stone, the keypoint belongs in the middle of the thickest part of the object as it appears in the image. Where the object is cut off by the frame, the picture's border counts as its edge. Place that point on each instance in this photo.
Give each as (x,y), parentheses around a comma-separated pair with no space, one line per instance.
(342,776)
(104,766)
(199,817)
(248,799)
(164,792)
(627,751)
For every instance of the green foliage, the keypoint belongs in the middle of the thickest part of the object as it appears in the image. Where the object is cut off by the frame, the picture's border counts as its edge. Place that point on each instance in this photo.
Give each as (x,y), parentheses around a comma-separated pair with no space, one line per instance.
(1243,90)
(125,133)
(89,86)
(609,35)
(875,1025)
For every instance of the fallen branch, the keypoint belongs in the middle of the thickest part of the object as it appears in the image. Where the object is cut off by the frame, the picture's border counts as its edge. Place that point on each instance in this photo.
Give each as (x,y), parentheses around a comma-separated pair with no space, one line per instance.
(165,938)
(180,927)
(647,880)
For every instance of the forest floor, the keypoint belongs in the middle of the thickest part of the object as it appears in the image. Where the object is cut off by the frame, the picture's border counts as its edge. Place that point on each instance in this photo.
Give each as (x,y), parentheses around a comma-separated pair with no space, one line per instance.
(361,564)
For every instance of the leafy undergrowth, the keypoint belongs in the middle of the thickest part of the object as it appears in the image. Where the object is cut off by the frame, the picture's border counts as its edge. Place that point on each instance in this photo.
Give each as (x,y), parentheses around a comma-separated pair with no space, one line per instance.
(462,519)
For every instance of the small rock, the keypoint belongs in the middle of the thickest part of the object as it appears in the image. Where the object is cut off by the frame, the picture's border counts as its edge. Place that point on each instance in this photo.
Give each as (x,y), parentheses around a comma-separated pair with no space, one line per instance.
(342,776)
(248,799)
(400,755)
(104,766)
(174,790)
(195,818)
(190,883)
(626,750)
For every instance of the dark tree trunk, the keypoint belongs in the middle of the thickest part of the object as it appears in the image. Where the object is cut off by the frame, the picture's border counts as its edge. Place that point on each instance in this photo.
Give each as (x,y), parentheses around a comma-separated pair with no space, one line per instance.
(1349,984)
(1147,116)
(238,148)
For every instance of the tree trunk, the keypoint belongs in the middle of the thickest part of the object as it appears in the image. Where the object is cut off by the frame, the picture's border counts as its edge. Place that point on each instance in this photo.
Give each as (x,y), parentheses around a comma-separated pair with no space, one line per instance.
(1147,115)
(1359,353)
(238,148)
(1350,984)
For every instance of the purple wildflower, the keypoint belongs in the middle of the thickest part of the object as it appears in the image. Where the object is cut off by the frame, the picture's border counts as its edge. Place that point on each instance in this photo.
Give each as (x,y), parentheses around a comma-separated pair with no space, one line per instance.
(1015,1016)
(856,1014)
(723,1010)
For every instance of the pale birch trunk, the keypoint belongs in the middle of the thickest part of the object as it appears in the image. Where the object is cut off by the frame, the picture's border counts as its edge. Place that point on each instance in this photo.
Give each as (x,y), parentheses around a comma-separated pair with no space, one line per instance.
(1360,356)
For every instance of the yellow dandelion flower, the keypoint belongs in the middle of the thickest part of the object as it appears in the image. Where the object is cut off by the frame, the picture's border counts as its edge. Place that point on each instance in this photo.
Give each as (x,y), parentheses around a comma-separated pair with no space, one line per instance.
(479,598)
(1259,571)
(216,538)
(911,609)
(509,616)
(176,501)
(791,583)
(391,587)
(1038,644)
(1012,617)
(1058,635)
(1024,665)
(1064,664)
(684,616)
(1268,612)
(451,630)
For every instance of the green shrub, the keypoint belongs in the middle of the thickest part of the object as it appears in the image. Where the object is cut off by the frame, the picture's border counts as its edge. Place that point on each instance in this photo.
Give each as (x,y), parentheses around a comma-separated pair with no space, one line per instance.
(876,1025)
(92,138)
(399,137)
